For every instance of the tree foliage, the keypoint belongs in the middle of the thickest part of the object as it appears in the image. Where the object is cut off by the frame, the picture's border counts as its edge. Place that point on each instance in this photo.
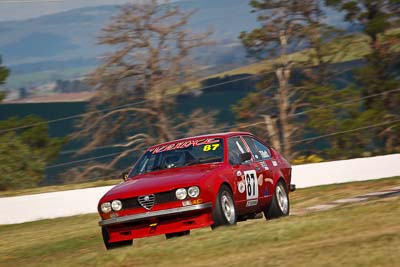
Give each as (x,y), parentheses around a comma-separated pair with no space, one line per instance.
(309,99)
(140,79)
(375,16)
(19,166)
(4,72)
(285,26)
(380,75)
(278,31)
(25,152)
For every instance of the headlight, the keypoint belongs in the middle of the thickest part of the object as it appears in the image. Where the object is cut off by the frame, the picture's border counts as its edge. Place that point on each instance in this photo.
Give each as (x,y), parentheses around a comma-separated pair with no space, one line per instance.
(105,207)
(181,193)
(193,191)
(116,205)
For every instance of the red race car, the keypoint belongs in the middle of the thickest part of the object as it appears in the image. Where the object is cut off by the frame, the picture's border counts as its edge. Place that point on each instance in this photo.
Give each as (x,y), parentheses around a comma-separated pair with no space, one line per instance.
(209,180)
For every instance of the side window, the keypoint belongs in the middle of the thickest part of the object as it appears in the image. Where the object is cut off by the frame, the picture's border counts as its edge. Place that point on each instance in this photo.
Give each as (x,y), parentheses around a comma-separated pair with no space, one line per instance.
(258,150)
(262,149)
(235,148)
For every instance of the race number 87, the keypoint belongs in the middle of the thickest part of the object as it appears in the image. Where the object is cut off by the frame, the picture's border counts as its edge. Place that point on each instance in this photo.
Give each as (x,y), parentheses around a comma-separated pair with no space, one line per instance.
(251,184)
(210,147)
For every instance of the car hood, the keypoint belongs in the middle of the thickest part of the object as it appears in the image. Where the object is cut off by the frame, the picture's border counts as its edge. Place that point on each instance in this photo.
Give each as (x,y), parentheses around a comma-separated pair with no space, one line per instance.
(160,181)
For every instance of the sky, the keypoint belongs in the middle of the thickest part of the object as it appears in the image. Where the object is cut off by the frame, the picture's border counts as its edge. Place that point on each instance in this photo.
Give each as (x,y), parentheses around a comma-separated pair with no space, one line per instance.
(24,9)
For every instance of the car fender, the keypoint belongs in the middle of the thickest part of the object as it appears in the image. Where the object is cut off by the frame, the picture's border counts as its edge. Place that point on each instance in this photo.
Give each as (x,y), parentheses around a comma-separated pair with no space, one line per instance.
(277,175)
(217,183)
(280,175)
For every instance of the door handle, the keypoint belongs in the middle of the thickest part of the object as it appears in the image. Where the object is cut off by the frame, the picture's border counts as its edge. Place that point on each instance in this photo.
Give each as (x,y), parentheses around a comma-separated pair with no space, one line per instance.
(258,169)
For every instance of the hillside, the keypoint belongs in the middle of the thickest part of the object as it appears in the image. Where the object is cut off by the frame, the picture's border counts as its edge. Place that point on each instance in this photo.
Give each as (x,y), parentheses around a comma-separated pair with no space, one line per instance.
(63,45)
(51,47)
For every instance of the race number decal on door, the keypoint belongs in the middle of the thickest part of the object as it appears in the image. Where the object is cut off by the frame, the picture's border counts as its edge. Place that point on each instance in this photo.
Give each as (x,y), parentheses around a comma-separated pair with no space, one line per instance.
(251,184)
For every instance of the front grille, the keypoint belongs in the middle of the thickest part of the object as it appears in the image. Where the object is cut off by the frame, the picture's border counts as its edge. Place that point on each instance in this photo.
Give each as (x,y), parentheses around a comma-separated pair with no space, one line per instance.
(160,198)
(165,197)
(147,201)
(130,203)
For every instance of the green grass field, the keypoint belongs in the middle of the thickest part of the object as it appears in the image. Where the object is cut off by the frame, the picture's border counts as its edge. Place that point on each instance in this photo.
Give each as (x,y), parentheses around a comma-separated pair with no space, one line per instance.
(366,234)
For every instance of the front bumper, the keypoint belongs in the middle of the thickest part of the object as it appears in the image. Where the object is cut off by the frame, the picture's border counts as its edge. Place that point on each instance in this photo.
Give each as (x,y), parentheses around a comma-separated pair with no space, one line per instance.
(153,214)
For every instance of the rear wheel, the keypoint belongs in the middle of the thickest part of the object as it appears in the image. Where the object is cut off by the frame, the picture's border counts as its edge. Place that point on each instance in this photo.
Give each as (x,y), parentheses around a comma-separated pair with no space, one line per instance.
(224,212)
(106,239)
(280,205)
(178,234)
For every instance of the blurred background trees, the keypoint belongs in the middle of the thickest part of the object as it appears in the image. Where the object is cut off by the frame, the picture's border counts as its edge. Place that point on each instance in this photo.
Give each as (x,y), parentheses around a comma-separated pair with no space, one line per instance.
(277,98)
(305,97)
(140,80)
(324,90)
(4,72)
(379,21)
(291,87)
(24,151)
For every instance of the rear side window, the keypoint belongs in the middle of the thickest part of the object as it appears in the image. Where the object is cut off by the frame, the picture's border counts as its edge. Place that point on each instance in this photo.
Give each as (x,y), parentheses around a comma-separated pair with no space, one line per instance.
(259,151)
(235,148)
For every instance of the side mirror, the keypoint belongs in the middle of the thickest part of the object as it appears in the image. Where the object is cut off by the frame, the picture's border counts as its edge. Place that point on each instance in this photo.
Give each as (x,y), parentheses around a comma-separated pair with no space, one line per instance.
(245,157)
(124,176)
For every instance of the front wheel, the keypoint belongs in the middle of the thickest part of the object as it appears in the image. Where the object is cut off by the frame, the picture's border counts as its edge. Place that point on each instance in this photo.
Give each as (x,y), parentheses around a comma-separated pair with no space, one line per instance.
(280,205)
(108,245)
(224,212)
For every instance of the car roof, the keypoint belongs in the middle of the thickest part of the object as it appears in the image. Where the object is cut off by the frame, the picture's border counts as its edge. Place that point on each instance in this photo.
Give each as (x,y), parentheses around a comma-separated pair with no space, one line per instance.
(215,135)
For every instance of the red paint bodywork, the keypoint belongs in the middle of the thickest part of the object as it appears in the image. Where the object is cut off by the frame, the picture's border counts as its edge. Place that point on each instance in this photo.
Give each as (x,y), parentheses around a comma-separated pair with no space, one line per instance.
(208,177)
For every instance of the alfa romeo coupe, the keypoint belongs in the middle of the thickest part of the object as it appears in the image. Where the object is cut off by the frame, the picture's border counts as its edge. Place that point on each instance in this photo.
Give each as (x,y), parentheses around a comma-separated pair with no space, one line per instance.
(210,180)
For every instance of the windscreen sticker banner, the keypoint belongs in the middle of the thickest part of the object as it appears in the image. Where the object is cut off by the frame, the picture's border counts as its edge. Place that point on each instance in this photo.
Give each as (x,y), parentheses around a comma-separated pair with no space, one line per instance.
(185,144)
(251,184)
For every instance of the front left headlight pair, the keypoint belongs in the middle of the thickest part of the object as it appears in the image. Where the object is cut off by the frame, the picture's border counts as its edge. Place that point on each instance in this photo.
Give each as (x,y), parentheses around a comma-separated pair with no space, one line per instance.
(115,205)
(182,193)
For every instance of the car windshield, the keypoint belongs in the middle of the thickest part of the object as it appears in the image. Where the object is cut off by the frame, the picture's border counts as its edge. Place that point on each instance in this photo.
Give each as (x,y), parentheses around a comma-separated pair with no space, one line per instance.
(179,154)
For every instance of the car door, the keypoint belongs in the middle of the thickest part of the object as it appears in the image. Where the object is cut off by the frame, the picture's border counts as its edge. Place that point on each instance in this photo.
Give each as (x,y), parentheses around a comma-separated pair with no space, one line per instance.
(265,167)
(245,190)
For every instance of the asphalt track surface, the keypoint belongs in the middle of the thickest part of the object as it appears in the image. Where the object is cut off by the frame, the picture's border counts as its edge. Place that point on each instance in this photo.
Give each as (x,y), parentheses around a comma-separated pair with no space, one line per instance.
(392,192)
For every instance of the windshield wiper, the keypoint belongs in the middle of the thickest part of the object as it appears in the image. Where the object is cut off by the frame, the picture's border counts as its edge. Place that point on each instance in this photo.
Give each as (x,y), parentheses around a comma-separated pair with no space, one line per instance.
(193,162)
(156,168)
(202,160)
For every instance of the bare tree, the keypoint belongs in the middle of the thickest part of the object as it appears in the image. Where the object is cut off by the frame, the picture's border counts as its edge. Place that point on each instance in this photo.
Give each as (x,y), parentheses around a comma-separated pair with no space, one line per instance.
(284,27)
(279,30)
(139,81)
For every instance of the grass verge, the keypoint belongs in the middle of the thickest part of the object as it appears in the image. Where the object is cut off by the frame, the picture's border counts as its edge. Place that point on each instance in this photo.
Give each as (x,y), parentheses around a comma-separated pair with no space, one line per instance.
(366,234)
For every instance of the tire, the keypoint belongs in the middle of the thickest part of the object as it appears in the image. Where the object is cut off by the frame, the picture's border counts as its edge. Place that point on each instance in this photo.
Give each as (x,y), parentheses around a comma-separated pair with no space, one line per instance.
(280,205)
(224,212)
(178,234)
(113,245)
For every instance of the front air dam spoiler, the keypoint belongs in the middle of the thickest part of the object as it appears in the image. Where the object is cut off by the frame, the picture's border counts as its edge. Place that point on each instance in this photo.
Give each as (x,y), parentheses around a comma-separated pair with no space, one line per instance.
(153,214)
